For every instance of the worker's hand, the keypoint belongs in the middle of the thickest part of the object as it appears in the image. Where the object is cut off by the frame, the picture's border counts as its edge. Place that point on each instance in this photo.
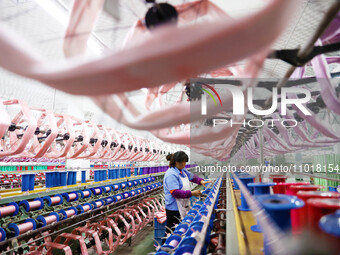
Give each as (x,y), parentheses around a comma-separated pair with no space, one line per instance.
(196,193)
(203,182)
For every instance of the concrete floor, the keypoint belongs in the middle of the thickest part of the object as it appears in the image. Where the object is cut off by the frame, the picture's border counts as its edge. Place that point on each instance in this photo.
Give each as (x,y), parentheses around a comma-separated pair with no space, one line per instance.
(141,244)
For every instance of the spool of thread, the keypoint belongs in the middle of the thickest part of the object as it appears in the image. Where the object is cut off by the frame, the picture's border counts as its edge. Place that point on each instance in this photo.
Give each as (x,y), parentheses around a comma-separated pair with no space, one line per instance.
(99,203)
(278,207)
(286,186)
(31,182)
(116,186)
(72,196)
(107,189)
(11,209)
(28,225)
(55,200)
(2,235)
(246,179)
(303,212)
(63,178)
(86,207)
(330,226)
(295,214)
(53,217)
(319,207)
(173,243)
(25,182)
(278,179)
(36,204)
(185,250)
(97,191)
(70,213)
(83,176)
(260,189)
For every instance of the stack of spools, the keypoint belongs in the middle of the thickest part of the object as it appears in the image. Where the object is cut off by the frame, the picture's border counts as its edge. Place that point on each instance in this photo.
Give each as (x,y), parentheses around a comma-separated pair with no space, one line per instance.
(183,241)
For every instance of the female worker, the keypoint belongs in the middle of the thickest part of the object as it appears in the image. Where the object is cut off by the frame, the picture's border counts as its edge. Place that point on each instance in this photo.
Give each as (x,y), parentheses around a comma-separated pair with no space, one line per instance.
(177,188)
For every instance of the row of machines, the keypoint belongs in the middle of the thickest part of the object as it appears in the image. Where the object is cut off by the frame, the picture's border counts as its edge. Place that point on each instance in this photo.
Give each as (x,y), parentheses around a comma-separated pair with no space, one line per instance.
(43,214)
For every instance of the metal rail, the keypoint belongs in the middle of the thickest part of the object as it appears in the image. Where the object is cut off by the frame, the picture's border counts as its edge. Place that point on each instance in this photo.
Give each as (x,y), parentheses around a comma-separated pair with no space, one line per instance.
(201,236)
(56,190)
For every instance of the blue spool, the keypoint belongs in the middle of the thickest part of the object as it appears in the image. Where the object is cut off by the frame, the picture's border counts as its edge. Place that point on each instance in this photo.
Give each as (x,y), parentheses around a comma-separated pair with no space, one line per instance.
(181,229)
(188,240)
(135,183)
(123,185)
(145,180)
(332,189)
(140,181)
(107,189)
(74,175)
(97,191)
(69,178)
(116,186)
(67,196)
(185,249)
(63,178)
(25,182)
(330,224)
(89,192)
(108,200)
(80,194)
(245,180)
(31,183)
(27,207)
(130,184)
(43,220)
(141,171)
(16,208)
(14,227)
(101,201)
(63,212)
(81,208)
(126,195)
(48,180)
(195,226)
(93,204)
(55,182)
(162,253)
(170,239)
(188,219)
(83,176)
(118,197)
(49,201)
(95,175)
(260,189)
(278,206)
(3,234)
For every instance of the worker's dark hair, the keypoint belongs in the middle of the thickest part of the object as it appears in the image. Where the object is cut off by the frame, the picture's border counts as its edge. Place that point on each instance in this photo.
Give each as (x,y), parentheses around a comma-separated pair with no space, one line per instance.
(179,156)
(168,157)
